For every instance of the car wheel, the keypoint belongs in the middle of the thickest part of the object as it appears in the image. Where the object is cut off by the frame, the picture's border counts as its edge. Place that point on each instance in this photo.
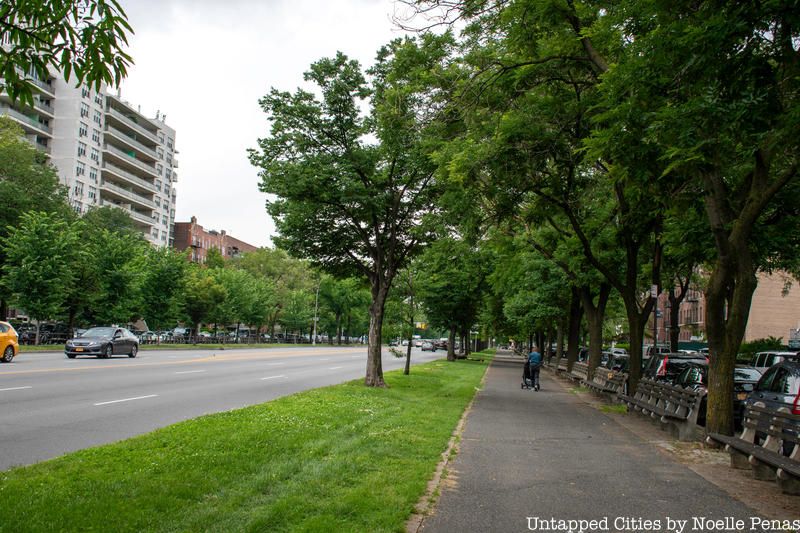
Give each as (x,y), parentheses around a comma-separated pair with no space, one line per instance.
(8,354)
(109,351)
(134,349)
(71,355)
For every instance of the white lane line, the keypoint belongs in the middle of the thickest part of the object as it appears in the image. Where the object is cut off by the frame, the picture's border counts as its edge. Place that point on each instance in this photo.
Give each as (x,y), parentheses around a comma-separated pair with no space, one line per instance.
(190,372)
(128,399)
(335,367)
(273,377)
(275,364)
(15,388)
(325,359)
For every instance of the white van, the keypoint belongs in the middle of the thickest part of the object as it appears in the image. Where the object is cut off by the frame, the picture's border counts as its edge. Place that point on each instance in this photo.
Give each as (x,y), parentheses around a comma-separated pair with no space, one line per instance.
(763,360)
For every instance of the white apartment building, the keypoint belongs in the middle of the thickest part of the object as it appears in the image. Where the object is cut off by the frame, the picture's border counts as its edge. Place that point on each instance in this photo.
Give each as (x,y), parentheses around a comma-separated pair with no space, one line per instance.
(106,152)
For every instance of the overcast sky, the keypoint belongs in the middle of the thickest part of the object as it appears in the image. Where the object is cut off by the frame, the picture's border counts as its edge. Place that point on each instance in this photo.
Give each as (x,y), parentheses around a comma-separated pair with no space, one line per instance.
(206,63)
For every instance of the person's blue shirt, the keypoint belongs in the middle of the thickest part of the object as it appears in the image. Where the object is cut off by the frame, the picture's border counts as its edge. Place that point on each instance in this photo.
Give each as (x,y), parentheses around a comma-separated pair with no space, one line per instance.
(534,359)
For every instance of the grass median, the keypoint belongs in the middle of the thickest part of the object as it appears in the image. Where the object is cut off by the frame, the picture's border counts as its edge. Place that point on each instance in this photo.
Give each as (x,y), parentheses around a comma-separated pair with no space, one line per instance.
(340,458)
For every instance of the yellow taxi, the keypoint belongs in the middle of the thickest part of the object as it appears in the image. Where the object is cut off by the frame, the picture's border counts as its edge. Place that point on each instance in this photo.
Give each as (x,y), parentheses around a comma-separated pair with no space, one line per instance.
(9,345)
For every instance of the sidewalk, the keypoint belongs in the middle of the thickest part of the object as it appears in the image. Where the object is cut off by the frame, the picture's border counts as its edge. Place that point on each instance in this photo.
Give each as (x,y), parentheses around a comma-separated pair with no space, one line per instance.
(547,454)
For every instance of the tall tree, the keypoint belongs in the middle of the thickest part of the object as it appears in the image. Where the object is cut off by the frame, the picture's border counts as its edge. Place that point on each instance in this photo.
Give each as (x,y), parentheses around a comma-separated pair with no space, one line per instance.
(163,286)
(36,269)
(86,38)
(353,189)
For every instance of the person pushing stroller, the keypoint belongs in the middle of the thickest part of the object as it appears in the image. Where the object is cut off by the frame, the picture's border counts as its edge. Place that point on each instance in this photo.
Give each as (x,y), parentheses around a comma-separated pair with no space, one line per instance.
(530,373)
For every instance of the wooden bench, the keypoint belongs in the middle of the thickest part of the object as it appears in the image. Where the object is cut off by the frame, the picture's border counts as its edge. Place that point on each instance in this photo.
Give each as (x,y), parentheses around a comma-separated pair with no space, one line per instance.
(580,371)
(675,407)
(782,431)
(607,382)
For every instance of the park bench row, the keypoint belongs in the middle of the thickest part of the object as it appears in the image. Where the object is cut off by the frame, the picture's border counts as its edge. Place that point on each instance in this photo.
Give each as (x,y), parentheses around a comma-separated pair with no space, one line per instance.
(673,406)
(767,435)
(769,443)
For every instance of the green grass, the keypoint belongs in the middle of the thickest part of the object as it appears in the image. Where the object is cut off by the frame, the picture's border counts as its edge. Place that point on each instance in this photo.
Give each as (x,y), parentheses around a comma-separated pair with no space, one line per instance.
(617,408)
(341,458)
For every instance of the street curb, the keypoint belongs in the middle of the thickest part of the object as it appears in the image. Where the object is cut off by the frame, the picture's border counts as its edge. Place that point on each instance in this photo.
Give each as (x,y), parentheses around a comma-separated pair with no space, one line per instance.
(426,503)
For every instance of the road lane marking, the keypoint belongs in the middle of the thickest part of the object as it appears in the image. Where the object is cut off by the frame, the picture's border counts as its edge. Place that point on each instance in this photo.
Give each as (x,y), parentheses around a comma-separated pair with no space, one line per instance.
(15,388)
(335,367)
(190,372)
(273,377)
(325,359)
(275,364)
(127,399)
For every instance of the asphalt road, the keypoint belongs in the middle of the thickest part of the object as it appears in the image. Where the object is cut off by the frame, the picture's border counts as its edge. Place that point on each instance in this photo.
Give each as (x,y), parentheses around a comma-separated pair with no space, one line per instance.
(50,405)
(529,458)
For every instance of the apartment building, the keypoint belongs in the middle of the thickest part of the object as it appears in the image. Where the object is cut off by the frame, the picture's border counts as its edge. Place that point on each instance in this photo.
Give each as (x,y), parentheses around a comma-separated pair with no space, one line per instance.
(191,236)
(106,151)
(774,311)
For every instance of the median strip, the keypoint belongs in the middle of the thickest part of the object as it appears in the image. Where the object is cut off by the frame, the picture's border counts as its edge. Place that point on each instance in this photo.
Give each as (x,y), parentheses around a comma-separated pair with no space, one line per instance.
(127,399)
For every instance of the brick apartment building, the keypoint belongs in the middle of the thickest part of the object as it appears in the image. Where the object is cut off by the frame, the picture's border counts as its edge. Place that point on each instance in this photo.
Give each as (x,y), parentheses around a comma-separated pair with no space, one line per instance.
(774,311)
(191,235)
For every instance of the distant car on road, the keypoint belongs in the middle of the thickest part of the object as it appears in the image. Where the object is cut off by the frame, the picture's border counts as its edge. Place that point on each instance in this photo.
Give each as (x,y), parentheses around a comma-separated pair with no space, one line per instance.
(393,342)
(428,347)
(103,342)
(9,342)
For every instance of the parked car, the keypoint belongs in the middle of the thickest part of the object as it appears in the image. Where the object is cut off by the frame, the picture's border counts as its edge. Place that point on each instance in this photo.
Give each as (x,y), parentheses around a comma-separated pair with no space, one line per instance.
(428,346)
(779,387)
(618,351)
(764,360)
(9,342)
(54,333)
(695,377)
(393,342)
(103,342)
(649,351)
(667,366)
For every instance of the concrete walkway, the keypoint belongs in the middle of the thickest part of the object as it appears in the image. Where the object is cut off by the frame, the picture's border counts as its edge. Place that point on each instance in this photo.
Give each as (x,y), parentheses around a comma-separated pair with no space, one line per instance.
(548,455)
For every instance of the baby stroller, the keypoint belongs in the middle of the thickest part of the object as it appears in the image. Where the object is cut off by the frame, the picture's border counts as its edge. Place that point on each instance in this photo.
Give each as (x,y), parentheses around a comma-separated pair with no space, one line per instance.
(527,380)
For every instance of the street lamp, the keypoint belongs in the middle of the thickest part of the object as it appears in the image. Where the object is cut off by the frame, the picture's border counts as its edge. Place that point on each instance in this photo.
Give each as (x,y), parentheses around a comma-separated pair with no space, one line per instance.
(316,306)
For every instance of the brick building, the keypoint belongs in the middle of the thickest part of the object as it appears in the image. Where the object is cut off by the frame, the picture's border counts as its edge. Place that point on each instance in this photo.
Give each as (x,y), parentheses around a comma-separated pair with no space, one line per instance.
(774,311)
(191,235)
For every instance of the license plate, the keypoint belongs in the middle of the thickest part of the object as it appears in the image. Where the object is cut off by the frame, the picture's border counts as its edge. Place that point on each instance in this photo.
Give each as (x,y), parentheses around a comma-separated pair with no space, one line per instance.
(78,349)
(741,396)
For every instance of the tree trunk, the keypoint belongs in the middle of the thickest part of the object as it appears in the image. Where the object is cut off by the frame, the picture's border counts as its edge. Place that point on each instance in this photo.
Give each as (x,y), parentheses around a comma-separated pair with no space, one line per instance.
(3,309)
(674,319)
(636,325)
(36,340)
(595,314)
(559,340)
(339,329)
(574,331)
(451,344)
(728,298)
(374,372)
(407,368)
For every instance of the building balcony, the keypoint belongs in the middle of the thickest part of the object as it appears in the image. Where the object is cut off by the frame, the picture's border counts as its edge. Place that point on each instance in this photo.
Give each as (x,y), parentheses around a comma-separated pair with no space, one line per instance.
(128,177)
(44,108)
(131,142)
(126,194)
(130,159)
(29,124)
(120,117)
(135,215)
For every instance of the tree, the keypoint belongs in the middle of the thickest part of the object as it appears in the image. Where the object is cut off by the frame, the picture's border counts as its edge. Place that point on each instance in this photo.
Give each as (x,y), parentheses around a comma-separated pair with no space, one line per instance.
(203,294)
(352,190)
(36,272)
(163,287)
(86,38)
(28,181)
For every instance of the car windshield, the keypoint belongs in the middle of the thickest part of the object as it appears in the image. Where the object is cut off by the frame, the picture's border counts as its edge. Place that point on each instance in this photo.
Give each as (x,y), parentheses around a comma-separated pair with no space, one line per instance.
(746,374)
(99,332)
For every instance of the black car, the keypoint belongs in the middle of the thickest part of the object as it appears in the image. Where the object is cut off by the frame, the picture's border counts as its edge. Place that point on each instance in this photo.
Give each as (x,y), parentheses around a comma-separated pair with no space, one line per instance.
(779,387)
(667,366)
(695,377)
(103,342)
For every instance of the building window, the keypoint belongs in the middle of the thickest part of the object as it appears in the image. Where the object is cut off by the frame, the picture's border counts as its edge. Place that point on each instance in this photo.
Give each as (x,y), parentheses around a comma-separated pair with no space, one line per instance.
(158,202)
(83,130)
(158,185)
(81,149)
(96,136)
(170,143)
(78,190)
(98,99)
(98,117)
(77,206)
(169,159)
(159,168)
(92,193)
(161,137)
(80,169)
(84,109)
(164,220)
(160,153)
(93,174)
(155,233)
(85,92)
(95,155)
(168,174)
